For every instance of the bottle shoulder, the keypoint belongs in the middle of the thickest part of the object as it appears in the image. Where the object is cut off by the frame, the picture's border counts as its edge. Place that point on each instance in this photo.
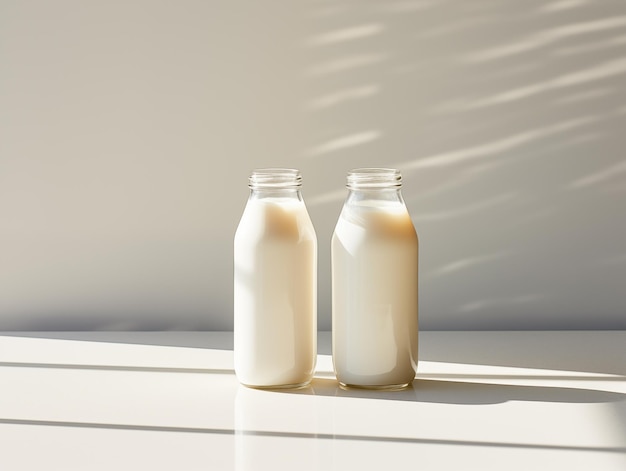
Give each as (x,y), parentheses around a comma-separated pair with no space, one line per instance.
(376,223)
(267,221)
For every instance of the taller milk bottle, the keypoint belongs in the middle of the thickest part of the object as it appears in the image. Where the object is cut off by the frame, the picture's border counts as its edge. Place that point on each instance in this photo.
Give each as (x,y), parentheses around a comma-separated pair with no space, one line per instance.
(275,284)
(374,284)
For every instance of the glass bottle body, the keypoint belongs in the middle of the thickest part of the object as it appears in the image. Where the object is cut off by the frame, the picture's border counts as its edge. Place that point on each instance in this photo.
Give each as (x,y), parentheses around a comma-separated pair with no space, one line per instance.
(275,288)
(374,287)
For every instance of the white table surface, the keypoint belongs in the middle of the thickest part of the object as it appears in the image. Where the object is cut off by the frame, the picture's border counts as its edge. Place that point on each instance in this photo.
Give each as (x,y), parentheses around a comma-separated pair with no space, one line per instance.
(170,400)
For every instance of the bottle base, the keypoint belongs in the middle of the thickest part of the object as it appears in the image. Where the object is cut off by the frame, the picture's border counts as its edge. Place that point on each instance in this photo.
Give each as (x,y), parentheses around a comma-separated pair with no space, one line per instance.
(386,387)
(278,386)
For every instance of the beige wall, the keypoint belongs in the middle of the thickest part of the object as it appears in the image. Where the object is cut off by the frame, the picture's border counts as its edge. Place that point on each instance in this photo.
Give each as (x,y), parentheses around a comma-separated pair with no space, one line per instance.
(128,130)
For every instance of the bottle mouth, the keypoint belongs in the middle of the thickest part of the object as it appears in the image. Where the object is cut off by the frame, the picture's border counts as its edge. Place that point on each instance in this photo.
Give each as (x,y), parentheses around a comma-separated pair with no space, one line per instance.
(275,178)
(374,178)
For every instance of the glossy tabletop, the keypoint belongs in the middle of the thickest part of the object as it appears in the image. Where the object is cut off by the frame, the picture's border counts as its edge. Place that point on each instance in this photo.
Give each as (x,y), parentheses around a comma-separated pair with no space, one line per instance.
(170,400)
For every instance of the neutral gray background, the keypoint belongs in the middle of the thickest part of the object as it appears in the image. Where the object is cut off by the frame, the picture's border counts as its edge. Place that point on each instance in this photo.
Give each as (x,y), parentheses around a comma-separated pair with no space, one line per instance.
(128,130)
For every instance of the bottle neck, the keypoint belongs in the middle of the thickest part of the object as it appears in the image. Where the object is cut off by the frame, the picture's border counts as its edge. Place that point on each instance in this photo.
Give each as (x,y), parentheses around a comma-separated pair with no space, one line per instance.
(373,186)
(282,194)
(382,196)
(281,184)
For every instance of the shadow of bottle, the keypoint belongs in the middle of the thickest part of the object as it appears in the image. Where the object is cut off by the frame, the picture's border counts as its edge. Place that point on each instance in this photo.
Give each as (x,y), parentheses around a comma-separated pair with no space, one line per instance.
(462,392)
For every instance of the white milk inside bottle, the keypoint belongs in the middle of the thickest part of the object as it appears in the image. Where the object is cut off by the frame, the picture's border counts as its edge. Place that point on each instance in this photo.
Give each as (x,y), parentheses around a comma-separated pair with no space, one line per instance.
(374,284)
(275,292)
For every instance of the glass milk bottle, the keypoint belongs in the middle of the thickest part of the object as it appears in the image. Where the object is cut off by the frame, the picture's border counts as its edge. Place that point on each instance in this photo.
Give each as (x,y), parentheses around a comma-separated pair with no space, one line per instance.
(275,284)
(374,284)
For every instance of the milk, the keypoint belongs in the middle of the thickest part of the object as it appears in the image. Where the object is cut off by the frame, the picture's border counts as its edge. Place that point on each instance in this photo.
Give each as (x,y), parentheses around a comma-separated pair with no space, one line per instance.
(374,294)
(275,311)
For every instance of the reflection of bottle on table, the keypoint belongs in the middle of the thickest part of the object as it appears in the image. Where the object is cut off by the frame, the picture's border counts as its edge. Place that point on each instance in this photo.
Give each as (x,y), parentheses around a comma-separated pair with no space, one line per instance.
(276,430)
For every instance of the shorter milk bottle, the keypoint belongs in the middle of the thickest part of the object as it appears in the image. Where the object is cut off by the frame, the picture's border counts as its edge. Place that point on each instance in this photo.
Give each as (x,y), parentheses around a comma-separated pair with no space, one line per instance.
(275,311)
(374,284)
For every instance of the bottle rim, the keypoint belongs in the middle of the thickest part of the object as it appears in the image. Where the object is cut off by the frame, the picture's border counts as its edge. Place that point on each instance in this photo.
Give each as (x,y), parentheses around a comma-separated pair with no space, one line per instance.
(275,178)
(374,178)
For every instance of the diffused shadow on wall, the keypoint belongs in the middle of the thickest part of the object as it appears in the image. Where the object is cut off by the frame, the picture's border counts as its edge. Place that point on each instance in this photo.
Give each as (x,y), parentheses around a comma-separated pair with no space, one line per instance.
(126,169)
(507,122)
(590,352)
